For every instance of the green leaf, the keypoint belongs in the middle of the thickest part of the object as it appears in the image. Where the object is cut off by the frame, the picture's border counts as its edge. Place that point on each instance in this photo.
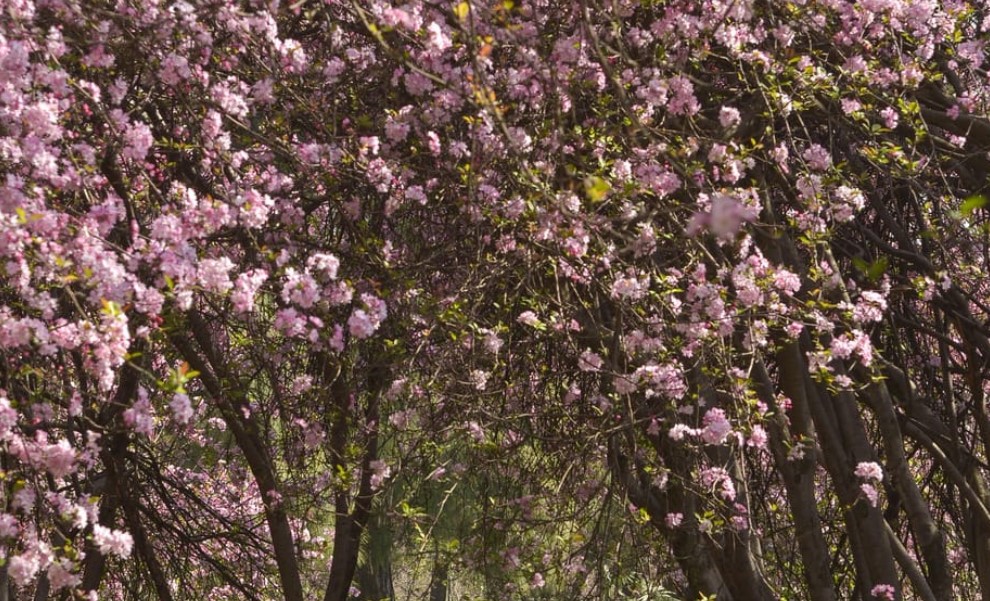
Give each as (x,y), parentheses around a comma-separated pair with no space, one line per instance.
(971,204)
(875,270)
(596,188)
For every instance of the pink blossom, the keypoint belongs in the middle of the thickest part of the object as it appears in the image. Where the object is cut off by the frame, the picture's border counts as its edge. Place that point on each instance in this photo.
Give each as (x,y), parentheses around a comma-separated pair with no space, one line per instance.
(589,361)
(884,591)
(851,105)
(758,437)
(437,40)
(529,318)
(324,264)
(360,325)
(663,379)
(140,416)
(174,69)
(869,470)
(300,288)
(479,379)
(624,384)
(181,408)
(112,542)
(728,116)
(364,322)
(23,568)
(245,289)
(870,307)
(680,431)
(818,158)
(213,276)
(787,282)
(61,575)
(890,117)
(727,216)
(9,527)
(476,431)
(870,492)
(137,141)
(336,341)
(630,288)
(717,427)
(290,322)
(380,471)
(780,154)
(59,458)
(718,478)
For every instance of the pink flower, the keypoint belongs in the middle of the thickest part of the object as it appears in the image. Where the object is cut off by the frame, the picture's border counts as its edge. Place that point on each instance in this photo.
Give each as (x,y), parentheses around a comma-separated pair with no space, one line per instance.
(589,361)
(679,431)
(112,542)
(630,288)
(728,215)
(364,322)
(851,105)
(336,341)
(728,116)
(871,494)
(300,288)
(437,40)
(23,568)
(60,575)
(869,470)
(890,117)
(787,282)
(717,477)
(883,591)
(137,141)
(246,287)
(529,318)
(757,437)
(59,459)
(870,307)
(140,416)
(181,408)
(9,528)
(818,158)
(324,264)
(360,324)
(380,472)
(213,274)
(717,427)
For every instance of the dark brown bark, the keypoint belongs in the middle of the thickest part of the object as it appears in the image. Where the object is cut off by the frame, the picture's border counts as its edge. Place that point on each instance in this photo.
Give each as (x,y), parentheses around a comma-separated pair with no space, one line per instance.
(930,538)
(799,481)
(94,566)
(350,524)
(226,394)
(686,542)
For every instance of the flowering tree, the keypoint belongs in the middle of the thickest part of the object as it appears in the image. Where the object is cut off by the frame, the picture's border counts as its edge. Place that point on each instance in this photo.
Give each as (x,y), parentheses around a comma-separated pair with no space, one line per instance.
(534,281)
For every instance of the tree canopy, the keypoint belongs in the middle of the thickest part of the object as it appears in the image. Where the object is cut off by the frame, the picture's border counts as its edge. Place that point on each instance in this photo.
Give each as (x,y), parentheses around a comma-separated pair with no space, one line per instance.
(534,299)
